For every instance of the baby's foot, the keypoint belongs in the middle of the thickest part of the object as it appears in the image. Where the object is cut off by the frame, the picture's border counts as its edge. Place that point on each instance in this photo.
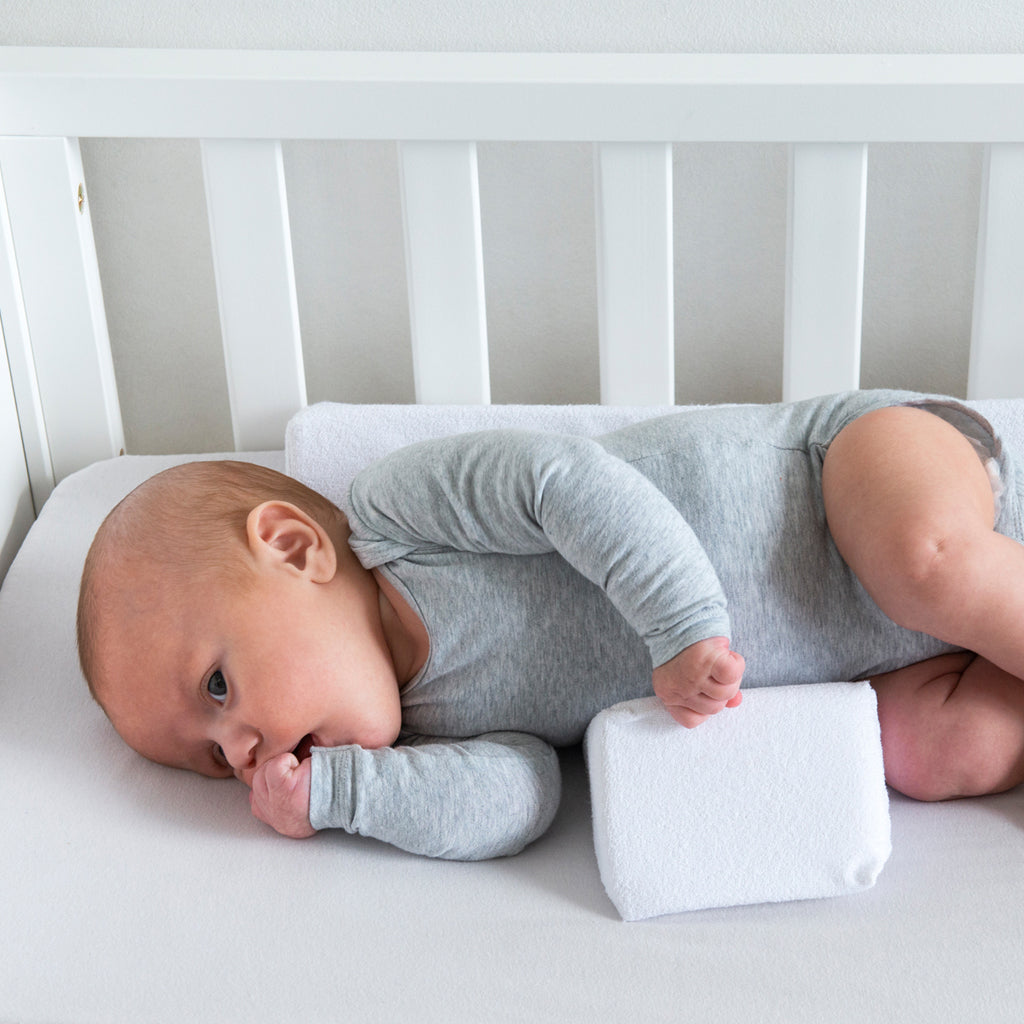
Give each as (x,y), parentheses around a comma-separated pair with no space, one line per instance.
(700,681)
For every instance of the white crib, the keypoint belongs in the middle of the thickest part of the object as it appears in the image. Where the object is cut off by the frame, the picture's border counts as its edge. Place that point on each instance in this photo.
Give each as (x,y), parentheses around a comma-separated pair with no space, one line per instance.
(633,108)
(59,412)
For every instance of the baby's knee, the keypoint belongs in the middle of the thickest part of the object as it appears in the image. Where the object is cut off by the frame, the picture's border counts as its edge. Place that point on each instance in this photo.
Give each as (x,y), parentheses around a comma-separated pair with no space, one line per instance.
(929,558)
(960,734)
(972,767)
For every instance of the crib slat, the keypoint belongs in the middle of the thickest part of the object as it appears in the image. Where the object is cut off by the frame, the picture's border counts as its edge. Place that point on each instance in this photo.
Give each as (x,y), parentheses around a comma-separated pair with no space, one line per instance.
(56,329)
(17,503)
(444,264)
(825,269)
(16,510)
(24,444)
(252,257)
(633,191)
(997,337)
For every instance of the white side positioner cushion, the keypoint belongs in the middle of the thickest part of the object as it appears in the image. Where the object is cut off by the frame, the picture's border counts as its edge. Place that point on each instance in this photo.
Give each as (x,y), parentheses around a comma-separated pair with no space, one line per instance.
(782,798)
(328,443)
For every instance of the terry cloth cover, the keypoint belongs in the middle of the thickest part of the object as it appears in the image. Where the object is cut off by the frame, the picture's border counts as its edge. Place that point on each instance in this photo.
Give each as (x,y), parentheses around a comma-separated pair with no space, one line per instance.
(328,443)
(782,798)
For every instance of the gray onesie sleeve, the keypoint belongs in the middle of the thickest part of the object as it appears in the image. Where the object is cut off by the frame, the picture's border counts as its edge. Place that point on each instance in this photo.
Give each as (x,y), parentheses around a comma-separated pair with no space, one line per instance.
(455,799)
(520,492)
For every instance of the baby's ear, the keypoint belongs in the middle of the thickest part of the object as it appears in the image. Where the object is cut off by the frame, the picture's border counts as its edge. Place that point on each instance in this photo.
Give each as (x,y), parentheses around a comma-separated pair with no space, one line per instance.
(281,534)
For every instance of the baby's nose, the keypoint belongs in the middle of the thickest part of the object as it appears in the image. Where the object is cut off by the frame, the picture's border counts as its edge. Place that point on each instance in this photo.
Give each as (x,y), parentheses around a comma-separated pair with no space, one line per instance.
(240,751)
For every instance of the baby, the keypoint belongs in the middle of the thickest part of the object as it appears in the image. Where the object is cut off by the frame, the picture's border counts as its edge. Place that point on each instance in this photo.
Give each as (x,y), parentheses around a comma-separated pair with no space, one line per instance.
(405,671)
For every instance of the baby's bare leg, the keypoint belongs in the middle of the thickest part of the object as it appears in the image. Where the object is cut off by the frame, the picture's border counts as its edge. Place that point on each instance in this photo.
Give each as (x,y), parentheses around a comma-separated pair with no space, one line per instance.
(911,510)
(952,726)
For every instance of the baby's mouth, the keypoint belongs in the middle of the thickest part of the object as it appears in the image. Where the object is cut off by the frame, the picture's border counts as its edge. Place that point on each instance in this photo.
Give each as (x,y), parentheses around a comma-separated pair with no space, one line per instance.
(302,749)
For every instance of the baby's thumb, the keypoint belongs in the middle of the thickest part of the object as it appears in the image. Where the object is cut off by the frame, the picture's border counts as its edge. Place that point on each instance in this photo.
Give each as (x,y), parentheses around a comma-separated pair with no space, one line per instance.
(729,668)
(279,769)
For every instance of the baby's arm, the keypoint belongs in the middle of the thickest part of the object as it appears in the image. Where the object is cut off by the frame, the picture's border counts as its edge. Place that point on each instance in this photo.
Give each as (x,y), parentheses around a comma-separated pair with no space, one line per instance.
(471,799)
(700,681)
(522,493)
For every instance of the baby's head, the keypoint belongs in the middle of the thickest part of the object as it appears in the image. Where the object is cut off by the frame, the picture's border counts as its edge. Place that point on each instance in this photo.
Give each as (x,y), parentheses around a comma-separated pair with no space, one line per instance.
(223,620)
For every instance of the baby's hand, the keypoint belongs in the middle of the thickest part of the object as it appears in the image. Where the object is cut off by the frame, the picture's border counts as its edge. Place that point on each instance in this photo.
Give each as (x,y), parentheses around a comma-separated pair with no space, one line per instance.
(280,795)
(700,680)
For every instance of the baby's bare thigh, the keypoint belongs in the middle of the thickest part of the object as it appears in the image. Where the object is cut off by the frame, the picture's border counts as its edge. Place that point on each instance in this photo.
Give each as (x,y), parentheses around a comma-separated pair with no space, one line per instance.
(895,476)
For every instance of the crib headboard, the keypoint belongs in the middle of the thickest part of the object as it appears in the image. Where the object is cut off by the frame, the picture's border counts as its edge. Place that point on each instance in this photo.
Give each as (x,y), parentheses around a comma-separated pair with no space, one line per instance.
(59,409)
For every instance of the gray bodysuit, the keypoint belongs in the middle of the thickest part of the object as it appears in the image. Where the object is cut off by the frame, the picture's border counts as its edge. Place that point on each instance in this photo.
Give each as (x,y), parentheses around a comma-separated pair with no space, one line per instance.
(553,572)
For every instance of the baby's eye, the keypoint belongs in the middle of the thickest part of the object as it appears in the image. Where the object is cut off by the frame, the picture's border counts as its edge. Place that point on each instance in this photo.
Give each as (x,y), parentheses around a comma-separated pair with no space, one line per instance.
(217,686)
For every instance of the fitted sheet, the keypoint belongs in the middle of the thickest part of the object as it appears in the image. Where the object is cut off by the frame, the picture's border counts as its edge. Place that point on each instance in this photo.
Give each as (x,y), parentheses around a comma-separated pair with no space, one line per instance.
(133,892)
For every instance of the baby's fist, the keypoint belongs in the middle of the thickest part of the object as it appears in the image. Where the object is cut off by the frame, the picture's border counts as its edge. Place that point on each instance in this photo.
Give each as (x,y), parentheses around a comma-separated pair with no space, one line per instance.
(700,681)
(280,795)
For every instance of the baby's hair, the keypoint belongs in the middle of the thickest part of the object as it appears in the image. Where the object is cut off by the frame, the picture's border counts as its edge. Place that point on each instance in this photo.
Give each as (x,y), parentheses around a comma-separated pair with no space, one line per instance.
(187,524)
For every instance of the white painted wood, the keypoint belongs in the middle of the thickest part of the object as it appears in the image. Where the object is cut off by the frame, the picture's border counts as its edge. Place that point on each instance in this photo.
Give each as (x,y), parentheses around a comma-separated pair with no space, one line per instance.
(21,364)
(824,269)
(997,338)
(16,512)
(633,190)
(252,258)
(445,270)
(64,319)
(500,96)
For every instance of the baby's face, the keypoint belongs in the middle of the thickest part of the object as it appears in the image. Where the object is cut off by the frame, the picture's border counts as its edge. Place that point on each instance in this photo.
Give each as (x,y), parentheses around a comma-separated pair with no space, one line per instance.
(219,680)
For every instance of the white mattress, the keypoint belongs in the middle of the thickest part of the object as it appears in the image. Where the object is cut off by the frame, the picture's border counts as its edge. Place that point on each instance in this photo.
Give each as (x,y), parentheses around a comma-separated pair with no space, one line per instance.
(131,892)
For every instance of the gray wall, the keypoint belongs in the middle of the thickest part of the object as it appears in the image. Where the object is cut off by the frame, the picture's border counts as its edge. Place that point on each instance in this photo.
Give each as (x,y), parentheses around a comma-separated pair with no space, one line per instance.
(537,209)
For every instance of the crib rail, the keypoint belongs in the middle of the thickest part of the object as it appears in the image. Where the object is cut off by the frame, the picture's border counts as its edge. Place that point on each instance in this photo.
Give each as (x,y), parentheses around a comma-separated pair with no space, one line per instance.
(436,107)
(504,96)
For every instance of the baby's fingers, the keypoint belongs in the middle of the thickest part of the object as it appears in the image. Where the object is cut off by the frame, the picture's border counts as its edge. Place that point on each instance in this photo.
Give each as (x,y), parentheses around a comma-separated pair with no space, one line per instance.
(687,717)
(278,773)
(280,795)
(699,708)
(700,681)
